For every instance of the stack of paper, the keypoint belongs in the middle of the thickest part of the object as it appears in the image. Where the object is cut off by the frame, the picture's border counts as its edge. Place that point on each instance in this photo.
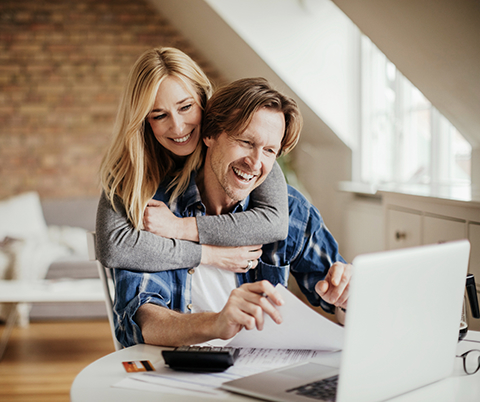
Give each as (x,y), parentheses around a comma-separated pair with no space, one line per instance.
(303,335)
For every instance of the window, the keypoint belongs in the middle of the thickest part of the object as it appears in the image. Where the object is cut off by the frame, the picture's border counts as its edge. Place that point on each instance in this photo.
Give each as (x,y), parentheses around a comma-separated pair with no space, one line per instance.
(395,134)
(404,139)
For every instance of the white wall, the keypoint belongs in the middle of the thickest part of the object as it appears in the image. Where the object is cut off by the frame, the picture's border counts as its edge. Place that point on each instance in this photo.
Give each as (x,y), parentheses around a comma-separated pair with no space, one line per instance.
(364,226)
(309,45)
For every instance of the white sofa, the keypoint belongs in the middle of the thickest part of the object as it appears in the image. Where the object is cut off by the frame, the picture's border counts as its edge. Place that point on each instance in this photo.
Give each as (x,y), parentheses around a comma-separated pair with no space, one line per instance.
(49,241)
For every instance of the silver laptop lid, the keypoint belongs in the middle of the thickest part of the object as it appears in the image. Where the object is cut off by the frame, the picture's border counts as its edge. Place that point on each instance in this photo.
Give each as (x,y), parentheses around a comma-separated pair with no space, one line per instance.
(403,320)
(401,331)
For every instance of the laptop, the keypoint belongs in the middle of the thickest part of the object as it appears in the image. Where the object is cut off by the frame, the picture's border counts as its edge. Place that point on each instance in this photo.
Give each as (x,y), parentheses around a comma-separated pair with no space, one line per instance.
(401,330)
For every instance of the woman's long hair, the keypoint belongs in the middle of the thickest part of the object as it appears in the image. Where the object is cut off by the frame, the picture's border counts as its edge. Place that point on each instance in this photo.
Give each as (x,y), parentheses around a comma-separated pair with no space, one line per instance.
(135,162)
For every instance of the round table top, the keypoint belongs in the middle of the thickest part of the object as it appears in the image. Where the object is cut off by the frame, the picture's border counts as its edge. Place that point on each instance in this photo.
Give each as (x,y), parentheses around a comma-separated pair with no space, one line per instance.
(95,382)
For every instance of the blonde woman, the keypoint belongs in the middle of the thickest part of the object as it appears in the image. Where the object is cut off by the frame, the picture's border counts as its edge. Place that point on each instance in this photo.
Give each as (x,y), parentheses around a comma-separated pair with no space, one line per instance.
(157,136)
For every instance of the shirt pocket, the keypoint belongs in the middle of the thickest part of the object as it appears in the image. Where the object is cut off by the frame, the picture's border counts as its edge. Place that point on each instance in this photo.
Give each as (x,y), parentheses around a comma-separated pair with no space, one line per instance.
(275,274)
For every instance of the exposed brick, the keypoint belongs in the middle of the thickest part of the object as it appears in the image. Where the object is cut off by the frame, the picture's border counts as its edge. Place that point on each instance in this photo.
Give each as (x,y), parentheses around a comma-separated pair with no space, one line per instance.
(63,64)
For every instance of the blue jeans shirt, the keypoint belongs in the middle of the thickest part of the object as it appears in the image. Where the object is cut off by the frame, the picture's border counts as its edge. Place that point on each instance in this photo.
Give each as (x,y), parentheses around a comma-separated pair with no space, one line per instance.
(307,253)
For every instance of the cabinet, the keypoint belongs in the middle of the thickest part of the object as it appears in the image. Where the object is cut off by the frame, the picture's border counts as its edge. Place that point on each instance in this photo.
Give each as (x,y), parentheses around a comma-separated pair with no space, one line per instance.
(418,220)
(442,229)
(403,228)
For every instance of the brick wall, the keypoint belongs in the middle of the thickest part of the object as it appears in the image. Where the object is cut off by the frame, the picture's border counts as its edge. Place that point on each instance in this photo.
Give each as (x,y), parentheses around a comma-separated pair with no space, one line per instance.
(62,68)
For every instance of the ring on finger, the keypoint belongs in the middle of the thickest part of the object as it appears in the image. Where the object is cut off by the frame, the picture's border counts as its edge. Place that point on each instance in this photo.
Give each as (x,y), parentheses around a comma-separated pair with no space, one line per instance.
(249,266)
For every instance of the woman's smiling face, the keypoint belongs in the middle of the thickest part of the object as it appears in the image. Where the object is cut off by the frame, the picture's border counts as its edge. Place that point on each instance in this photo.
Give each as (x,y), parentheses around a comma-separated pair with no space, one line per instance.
(176,117)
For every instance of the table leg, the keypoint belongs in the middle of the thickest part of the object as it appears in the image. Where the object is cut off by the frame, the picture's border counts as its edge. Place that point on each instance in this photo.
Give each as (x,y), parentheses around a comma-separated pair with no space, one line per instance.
(12,317)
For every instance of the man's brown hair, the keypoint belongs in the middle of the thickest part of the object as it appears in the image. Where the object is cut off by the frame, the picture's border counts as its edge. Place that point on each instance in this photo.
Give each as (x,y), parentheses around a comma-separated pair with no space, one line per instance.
(232,107)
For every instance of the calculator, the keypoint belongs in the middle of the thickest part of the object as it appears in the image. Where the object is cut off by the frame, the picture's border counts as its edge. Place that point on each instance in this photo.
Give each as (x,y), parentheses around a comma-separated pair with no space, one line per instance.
(200,358)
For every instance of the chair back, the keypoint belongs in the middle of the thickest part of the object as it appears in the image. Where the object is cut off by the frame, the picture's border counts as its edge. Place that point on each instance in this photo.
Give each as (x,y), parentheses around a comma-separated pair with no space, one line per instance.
(108,288)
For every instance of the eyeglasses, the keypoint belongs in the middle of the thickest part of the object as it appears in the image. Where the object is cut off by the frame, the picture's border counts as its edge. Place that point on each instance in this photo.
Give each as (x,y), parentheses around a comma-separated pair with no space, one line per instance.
(471,361)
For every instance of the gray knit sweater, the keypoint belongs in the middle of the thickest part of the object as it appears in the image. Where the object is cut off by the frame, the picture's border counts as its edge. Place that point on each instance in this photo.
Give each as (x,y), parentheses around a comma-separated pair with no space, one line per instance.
(120,245)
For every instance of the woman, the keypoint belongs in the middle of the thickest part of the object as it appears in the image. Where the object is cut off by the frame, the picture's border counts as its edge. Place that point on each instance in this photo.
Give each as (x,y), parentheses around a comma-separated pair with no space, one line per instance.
(156,134)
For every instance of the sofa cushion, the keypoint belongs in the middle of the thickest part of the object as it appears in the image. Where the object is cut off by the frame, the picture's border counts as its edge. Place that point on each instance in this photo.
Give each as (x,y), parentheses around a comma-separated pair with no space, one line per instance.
(21,217)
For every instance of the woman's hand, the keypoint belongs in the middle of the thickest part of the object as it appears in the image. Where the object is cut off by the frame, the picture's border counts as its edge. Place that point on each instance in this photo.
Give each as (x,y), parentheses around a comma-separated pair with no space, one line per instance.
(159,220)
(234,259)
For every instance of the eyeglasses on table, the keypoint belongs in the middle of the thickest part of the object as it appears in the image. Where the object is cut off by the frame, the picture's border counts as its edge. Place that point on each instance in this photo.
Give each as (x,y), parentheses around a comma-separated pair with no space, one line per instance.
(471,361)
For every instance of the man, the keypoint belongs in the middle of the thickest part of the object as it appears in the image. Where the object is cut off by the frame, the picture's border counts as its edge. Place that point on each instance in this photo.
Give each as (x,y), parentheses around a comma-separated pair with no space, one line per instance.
(247,125)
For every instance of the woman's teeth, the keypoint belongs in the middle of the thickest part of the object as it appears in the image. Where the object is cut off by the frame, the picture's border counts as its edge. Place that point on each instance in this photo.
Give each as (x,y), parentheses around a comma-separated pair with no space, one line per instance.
(243,175)
(183,139)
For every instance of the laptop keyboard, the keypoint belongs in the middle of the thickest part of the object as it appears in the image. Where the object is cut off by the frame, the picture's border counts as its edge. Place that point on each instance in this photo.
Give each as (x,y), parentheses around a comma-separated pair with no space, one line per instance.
(323,390)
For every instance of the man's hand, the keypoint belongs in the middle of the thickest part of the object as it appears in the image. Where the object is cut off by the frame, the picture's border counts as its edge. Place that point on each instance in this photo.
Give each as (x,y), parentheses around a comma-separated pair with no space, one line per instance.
(245,308)
(334,288)
(159,220)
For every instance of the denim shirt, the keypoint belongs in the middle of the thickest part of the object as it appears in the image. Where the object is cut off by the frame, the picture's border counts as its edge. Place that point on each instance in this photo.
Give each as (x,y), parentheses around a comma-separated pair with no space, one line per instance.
(307,253)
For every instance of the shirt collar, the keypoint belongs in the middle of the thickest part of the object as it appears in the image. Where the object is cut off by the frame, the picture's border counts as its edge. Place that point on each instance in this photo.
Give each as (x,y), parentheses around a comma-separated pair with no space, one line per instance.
(191,199)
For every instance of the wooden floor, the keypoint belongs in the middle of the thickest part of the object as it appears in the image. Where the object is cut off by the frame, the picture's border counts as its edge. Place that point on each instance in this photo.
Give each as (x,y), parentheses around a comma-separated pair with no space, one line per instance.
(42,360)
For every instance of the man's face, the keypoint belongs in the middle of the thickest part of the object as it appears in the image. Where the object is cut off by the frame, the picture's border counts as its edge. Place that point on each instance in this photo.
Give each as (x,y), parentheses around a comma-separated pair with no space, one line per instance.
(240,163)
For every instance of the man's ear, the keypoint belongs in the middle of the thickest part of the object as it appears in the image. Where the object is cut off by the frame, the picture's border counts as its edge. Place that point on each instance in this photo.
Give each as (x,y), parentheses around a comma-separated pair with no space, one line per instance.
(208,141)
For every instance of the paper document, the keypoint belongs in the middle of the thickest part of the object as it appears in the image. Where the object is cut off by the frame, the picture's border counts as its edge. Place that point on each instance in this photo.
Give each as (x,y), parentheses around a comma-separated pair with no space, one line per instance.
(303,335)
(249,361)
(302,328)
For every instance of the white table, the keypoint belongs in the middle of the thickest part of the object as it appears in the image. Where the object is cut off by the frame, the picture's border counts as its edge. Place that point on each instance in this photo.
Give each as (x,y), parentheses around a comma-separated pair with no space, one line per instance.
(15,292)
(94,383)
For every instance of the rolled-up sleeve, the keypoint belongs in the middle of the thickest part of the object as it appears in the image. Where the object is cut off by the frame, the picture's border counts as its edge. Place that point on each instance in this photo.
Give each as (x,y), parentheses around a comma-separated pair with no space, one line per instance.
(132,290)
